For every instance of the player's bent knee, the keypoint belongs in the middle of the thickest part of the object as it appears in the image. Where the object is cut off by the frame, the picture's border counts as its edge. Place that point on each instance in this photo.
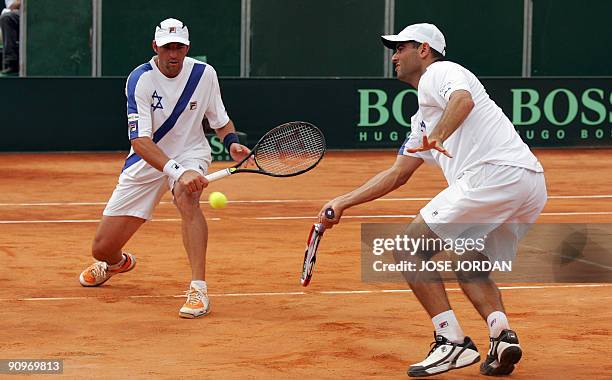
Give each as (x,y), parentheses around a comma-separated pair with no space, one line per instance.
(187,203)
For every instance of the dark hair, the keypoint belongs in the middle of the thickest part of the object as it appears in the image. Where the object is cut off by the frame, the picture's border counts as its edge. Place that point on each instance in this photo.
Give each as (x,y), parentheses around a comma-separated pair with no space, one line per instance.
(436,54)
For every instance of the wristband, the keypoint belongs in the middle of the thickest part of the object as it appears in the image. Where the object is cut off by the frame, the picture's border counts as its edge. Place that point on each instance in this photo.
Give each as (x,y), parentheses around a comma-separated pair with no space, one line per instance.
(174,170)
(229,139)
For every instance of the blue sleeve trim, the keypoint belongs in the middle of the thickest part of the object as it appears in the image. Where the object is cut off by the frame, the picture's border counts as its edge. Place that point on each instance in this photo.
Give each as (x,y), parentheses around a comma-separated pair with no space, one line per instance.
(132,107)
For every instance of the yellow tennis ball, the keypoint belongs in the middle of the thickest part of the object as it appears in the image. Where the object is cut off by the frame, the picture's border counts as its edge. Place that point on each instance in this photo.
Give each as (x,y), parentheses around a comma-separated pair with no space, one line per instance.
(217,199)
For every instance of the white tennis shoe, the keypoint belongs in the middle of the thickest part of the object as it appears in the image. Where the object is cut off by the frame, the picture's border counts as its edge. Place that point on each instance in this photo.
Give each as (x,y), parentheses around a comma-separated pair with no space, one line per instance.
(197,304)
(504,353)
(445,356)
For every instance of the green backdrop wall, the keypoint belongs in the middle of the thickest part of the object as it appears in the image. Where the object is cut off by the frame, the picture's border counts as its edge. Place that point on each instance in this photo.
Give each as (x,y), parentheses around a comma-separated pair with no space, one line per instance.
(486,36)
(89,113)
(331,38)
(128,27)
(58,37)
(317,38)
(572,37)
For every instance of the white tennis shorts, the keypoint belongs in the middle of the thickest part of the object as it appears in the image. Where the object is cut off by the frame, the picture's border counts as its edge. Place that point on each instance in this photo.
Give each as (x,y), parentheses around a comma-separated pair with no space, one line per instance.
(134,196)
(499,202)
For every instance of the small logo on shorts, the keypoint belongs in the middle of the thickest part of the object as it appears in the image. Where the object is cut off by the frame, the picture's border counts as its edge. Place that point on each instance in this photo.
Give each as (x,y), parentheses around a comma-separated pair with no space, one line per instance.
(435,213)
(193,105)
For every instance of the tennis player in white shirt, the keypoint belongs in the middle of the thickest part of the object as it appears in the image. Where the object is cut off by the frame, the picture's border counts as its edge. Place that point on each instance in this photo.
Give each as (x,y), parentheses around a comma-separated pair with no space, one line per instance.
(167,99)
(495,184)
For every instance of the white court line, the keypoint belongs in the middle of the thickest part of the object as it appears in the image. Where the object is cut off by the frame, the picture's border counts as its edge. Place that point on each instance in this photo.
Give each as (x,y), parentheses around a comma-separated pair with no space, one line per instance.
(344,217)
(577,213)
(49,221)
(84,221)
(323,292)
(588,262)
(310,217)
(579,196)
(406,199)
(413,216)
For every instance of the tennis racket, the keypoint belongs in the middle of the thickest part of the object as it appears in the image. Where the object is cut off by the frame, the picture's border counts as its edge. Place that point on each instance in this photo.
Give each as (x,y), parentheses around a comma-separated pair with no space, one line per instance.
(285,151)
(310,255)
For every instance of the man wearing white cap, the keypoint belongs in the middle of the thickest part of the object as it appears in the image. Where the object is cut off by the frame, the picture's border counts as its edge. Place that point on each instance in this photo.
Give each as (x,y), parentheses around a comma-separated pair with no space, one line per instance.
(496,190)
(167,99)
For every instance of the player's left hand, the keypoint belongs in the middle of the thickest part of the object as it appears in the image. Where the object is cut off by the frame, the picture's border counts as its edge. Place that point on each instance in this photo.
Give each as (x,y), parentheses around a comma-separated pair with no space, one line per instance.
(239,152)
(431,143)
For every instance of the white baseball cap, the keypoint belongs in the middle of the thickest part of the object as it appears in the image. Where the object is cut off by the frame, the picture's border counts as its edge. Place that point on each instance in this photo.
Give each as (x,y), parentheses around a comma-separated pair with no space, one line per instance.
(420,33)
(171,30)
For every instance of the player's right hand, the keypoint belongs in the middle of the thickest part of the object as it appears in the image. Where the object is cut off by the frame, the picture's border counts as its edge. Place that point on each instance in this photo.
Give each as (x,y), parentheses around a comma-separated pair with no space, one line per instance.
(338,210)
(430,143)
(193,181)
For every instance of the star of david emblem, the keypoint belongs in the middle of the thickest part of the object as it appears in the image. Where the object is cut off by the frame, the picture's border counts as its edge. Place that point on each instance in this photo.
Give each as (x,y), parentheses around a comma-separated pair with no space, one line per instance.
(156,101)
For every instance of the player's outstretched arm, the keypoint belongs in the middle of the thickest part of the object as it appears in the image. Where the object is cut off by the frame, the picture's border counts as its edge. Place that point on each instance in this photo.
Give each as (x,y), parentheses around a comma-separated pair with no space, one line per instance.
(377,186)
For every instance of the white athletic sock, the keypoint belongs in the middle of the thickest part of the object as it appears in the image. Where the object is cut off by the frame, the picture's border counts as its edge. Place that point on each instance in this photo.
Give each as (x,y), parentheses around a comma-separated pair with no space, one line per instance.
(200,284)
(119,264)
(446,324)
(497,322)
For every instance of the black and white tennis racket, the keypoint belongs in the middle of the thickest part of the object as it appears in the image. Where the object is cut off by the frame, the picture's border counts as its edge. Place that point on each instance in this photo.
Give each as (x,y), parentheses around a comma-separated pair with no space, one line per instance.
(310,255)
(285,151)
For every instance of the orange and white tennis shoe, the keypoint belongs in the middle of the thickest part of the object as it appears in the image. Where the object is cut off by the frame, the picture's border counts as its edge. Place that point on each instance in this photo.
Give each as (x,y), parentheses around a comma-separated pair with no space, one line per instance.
(197,304)
(99,272)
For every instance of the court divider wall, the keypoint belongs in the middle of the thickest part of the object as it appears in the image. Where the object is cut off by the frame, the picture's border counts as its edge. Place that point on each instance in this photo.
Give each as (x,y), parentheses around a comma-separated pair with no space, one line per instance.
(88,114)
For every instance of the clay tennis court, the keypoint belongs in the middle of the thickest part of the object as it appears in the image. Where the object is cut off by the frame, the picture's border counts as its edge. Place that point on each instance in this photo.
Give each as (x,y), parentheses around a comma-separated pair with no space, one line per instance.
(263,323)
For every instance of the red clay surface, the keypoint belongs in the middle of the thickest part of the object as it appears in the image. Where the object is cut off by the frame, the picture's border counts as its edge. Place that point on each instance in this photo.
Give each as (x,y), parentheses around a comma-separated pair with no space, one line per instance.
(263,323)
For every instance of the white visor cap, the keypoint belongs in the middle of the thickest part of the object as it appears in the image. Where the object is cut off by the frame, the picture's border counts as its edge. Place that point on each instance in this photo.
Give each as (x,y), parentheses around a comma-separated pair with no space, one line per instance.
(420,33)
(171,30)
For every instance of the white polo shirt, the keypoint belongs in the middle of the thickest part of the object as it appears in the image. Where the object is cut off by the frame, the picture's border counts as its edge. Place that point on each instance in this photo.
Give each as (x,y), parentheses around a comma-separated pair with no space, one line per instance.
(486,135)
(170,111)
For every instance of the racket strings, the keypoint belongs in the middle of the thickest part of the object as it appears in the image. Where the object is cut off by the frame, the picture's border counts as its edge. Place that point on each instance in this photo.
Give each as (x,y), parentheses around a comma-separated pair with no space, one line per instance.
(290,149)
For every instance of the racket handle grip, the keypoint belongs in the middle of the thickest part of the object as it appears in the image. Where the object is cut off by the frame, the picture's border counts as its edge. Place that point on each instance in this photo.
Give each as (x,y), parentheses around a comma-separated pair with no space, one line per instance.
(218,175)
(329,213)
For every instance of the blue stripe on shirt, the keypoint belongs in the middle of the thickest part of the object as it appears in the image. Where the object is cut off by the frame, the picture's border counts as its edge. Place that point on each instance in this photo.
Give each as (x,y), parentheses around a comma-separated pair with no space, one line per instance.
(132,107)
(194,78)
(192,83)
